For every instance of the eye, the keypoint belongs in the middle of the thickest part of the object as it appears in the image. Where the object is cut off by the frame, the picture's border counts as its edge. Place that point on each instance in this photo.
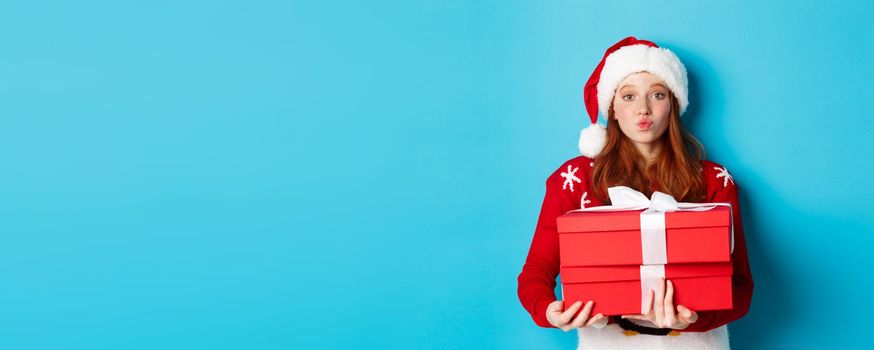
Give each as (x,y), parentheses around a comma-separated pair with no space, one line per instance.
(628,97)
(659,95)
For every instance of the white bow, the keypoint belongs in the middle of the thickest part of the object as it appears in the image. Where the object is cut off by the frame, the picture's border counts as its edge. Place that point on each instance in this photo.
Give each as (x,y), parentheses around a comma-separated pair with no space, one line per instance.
(627,198)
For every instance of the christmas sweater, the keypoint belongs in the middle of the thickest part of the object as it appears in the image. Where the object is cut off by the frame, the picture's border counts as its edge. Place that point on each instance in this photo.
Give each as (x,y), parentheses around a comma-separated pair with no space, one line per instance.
(570,187)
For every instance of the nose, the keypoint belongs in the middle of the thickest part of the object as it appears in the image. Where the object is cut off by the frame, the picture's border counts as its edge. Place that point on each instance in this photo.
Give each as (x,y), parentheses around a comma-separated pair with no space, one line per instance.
(643,107)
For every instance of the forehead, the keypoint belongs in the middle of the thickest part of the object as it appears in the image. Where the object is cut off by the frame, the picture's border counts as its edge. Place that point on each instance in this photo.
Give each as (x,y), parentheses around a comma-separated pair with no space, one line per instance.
(641,80)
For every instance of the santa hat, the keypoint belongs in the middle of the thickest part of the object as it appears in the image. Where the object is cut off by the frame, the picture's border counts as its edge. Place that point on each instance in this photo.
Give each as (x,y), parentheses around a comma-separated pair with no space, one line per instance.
(628,56)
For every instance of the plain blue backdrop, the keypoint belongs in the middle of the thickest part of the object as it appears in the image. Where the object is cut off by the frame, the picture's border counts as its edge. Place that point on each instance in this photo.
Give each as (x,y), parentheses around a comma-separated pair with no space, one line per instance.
(363,174)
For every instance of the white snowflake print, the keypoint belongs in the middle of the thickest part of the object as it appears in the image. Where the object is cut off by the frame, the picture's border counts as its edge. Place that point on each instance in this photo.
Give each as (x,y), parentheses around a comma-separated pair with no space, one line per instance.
(584,201)
(569,178)
(591,164)
(723,172)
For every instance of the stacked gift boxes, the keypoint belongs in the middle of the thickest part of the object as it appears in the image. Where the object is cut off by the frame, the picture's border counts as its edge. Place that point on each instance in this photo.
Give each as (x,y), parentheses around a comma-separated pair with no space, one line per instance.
(614,257)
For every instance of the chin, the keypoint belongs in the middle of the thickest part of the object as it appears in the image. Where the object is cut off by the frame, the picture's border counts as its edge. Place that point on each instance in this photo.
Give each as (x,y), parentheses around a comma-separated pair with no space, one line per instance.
(644,140)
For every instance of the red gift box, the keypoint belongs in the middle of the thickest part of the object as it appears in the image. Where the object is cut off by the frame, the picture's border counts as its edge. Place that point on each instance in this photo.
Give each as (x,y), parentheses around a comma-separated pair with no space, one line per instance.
(601,254)
(616,290)
(613,237)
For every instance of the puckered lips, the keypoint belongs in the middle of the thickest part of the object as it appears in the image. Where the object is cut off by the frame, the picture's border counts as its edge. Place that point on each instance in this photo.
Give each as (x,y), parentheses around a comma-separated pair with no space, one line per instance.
(644,124)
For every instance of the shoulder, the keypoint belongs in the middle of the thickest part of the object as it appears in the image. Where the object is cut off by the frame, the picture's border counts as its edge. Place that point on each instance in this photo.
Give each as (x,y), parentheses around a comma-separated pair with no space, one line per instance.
(716,176)
(571,178)
(709,166)
(574,166)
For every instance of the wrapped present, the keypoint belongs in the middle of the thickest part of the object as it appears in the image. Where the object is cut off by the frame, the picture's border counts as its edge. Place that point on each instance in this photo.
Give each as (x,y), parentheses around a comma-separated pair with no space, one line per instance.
(615,254)
(597,238)
(618,290)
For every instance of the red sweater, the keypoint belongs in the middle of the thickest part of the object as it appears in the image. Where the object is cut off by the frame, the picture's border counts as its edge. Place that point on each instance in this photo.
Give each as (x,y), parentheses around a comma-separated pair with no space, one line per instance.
(568,188)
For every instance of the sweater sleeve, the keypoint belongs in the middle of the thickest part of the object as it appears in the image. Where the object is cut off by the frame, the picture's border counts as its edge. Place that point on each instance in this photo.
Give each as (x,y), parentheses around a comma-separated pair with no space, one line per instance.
(536,282)
(742,279)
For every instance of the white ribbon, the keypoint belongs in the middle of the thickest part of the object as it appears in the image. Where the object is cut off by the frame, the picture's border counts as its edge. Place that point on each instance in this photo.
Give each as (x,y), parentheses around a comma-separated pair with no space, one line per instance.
(650,276)
(652,238)
(652,228)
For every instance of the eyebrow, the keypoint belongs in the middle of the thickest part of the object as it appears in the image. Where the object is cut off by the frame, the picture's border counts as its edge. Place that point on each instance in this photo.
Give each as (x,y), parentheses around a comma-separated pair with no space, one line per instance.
(653,85)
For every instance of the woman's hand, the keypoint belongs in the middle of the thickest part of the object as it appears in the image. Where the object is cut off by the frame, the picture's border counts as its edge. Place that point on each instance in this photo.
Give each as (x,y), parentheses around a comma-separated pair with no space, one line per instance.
(661,314)
(564,319)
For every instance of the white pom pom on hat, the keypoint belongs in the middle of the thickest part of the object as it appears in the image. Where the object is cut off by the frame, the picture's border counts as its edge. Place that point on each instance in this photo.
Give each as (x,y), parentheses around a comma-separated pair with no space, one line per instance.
(592,139)
(627,56)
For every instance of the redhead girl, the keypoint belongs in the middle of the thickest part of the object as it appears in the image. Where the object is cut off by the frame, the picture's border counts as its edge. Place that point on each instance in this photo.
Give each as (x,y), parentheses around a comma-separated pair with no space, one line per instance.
(642,90)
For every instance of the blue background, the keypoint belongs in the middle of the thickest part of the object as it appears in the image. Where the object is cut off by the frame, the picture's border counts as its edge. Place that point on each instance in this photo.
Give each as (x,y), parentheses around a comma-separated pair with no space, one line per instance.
(358,174)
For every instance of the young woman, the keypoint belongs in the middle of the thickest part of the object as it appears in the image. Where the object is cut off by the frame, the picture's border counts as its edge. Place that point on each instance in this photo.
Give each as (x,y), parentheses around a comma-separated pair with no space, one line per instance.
(642,90)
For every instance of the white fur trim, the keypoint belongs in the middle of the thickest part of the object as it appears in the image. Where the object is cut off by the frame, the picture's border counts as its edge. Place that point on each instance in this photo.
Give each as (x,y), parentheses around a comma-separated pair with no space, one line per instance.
(612,338)
(658,61)
(592,139)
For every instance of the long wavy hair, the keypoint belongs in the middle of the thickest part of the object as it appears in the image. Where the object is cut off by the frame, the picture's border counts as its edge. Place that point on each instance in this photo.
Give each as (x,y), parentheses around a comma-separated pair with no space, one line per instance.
(676,170)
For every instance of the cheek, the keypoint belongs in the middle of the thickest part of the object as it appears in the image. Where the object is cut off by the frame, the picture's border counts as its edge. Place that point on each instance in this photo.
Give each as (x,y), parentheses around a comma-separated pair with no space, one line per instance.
(623,111)
(623,118)
(662,112)
(662,107)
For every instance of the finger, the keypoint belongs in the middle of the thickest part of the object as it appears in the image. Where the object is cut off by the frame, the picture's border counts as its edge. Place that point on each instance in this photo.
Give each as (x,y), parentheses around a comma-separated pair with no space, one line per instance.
(694,317)
(599,321)
(683,314)
(689,315)
(553,312)
(555,307)
(569,313)
(659,304)
(583,316)
(670,316)
(636,317)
